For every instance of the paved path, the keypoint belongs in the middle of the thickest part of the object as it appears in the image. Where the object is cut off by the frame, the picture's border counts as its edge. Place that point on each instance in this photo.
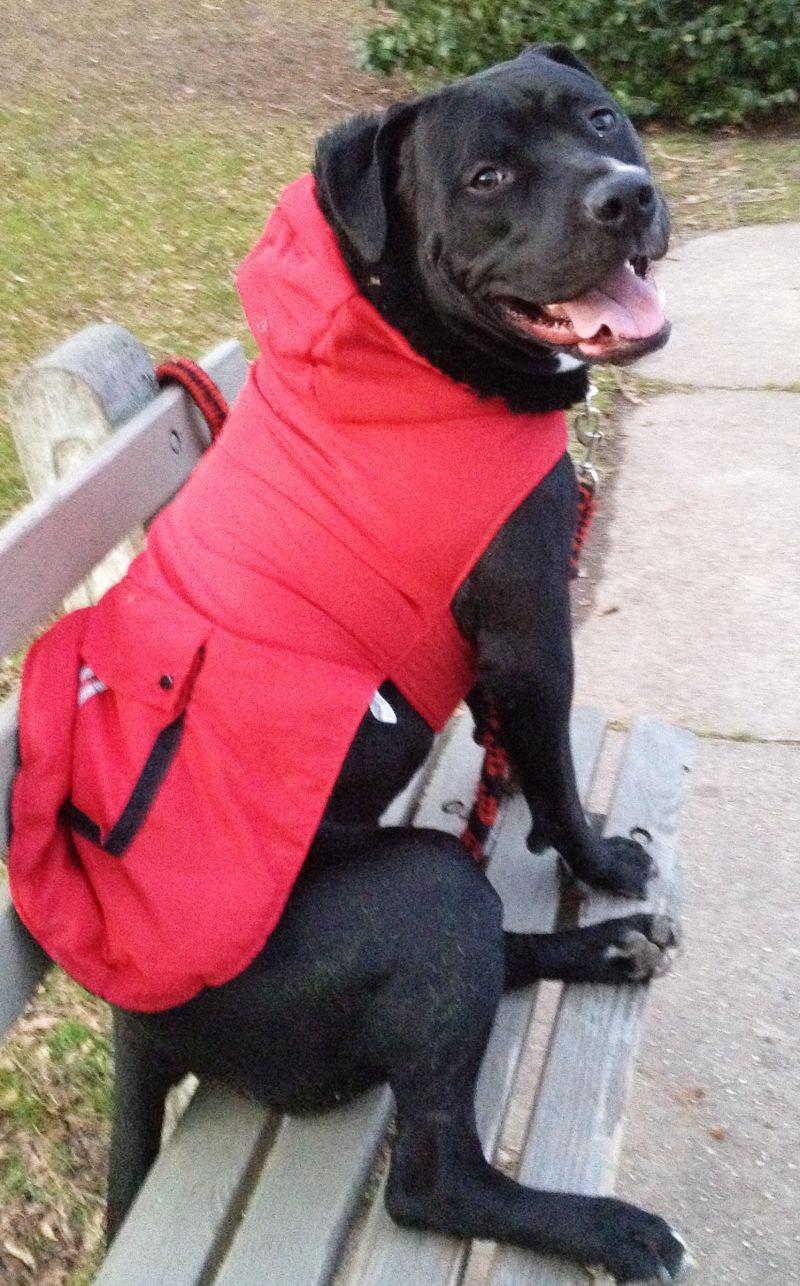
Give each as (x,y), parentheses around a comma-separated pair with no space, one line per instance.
(734,300)
(697,619)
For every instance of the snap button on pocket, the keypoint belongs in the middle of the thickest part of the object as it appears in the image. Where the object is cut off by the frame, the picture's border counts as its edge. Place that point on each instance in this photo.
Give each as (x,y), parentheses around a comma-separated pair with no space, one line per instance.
(145,647)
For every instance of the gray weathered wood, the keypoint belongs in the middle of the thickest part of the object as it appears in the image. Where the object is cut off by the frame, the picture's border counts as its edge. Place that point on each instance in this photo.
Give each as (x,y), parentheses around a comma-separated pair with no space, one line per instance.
(127,480)
(108,373)
(575,1138)
(512,876)
(8,764)
(306,1195)
(530,886)
(185,1214)
(452,765)
(64,406)
(22,963)
(449,788)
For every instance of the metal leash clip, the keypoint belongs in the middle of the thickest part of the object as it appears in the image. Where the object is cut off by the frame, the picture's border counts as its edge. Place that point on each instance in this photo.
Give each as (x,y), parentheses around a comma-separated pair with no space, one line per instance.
(588,432)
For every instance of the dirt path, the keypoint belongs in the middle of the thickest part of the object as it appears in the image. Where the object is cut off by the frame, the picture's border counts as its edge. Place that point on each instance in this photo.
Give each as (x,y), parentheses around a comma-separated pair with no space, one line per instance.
(287,56)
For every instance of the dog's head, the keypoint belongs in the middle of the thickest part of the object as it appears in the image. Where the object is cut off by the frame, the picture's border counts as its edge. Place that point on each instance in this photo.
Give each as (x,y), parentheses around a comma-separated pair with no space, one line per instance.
(517,206)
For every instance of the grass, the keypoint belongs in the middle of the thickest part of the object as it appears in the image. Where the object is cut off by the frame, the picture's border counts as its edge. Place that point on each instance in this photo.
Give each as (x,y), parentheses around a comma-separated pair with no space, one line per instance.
(122,224)
(55,1085)
(140,158)
(727,179)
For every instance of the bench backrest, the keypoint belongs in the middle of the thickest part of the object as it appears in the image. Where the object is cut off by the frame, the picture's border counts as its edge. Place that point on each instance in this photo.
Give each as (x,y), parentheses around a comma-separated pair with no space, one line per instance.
(51,545)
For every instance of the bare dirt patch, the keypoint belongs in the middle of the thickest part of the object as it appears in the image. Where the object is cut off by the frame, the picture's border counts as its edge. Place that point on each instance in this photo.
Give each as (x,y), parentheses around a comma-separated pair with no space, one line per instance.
(294,58)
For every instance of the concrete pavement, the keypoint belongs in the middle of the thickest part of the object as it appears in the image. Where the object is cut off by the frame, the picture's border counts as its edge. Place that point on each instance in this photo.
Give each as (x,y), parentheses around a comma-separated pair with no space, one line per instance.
(734,301)
(696,619)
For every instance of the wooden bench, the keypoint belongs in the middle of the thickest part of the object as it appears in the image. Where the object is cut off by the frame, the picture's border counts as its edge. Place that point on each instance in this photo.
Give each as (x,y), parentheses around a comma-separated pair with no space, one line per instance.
(239,1196)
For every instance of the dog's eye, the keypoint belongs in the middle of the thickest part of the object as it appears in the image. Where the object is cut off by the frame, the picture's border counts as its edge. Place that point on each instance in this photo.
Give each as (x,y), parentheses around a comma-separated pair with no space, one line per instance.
(603,120)
(488,179)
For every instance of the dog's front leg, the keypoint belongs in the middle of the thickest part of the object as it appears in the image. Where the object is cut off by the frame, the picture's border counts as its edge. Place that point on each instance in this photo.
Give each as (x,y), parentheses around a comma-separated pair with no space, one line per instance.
(515,609)
(530,690)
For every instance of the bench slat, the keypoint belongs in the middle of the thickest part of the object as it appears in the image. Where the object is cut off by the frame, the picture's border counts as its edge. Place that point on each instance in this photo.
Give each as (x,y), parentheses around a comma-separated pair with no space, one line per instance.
(387,1254)
(183,1217)
(22,963)
(121,486)
(530,886)
(512,878)
(447,795)
(454,744)
(8,764)
(577,1128)
(304,1200)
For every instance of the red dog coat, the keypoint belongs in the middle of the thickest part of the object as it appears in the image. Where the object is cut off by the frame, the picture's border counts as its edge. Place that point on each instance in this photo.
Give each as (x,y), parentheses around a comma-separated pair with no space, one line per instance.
(179,741)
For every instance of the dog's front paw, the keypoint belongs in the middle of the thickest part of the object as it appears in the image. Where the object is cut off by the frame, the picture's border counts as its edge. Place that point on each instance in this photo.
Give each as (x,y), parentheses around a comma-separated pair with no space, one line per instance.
(638,947)
(635,1246)
(618,864)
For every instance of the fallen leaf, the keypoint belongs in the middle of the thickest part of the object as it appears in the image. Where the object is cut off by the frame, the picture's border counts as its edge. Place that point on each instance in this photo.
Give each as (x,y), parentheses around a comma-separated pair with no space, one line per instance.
(630,396)
(682,160)
(24,1256)
(39,1022)
(693,1094)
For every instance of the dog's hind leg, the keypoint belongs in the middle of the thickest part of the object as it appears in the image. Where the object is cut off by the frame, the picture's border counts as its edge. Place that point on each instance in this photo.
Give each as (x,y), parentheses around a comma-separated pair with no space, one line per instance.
(427,1024)
(633,948)
(440,1180)
(143,1076)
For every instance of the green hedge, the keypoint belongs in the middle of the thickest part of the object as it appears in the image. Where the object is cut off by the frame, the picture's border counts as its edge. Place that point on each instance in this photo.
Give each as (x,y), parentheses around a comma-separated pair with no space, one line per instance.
(703,64)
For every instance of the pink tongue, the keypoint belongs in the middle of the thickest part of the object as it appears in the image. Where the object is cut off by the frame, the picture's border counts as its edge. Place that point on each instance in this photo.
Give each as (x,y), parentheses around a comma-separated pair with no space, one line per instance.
(628,305)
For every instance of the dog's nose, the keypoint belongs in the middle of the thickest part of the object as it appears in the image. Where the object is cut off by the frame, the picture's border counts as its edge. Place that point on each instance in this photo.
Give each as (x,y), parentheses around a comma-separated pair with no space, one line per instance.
(622,201)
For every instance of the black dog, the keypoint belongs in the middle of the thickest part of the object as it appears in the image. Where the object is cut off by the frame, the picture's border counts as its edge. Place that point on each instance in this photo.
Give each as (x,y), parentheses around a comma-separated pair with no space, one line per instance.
(464,217)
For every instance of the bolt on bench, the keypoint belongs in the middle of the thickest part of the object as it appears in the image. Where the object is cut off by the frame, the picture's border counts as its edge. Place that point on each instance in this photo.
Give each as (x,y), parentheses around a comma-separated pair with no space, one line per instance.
(239,1196)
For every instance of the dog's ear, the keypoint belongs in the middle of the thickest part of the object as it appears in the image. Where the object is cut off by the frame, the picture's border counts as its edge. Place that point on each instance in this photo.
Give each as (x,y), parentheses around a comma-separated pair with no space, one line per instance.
(559,54)
(353,166)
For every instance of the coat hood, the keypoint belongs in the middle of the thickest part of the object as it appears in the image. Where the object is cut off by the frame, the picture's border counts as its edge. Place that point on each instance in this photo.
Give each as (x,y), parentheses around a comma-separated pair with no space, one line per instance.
(324,340)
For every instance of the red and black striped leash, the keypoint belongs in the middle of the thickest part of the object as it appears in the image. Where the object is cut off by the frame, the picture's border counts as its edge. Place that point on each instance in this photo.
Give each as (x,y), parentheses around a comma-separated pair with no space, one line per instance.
(200,387)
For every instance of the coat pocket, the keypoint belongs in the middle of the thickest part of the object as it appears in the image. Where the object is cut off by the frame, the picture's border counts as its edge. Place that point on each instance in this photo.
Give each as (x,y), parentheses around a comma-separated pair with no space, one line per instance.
(139,659)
